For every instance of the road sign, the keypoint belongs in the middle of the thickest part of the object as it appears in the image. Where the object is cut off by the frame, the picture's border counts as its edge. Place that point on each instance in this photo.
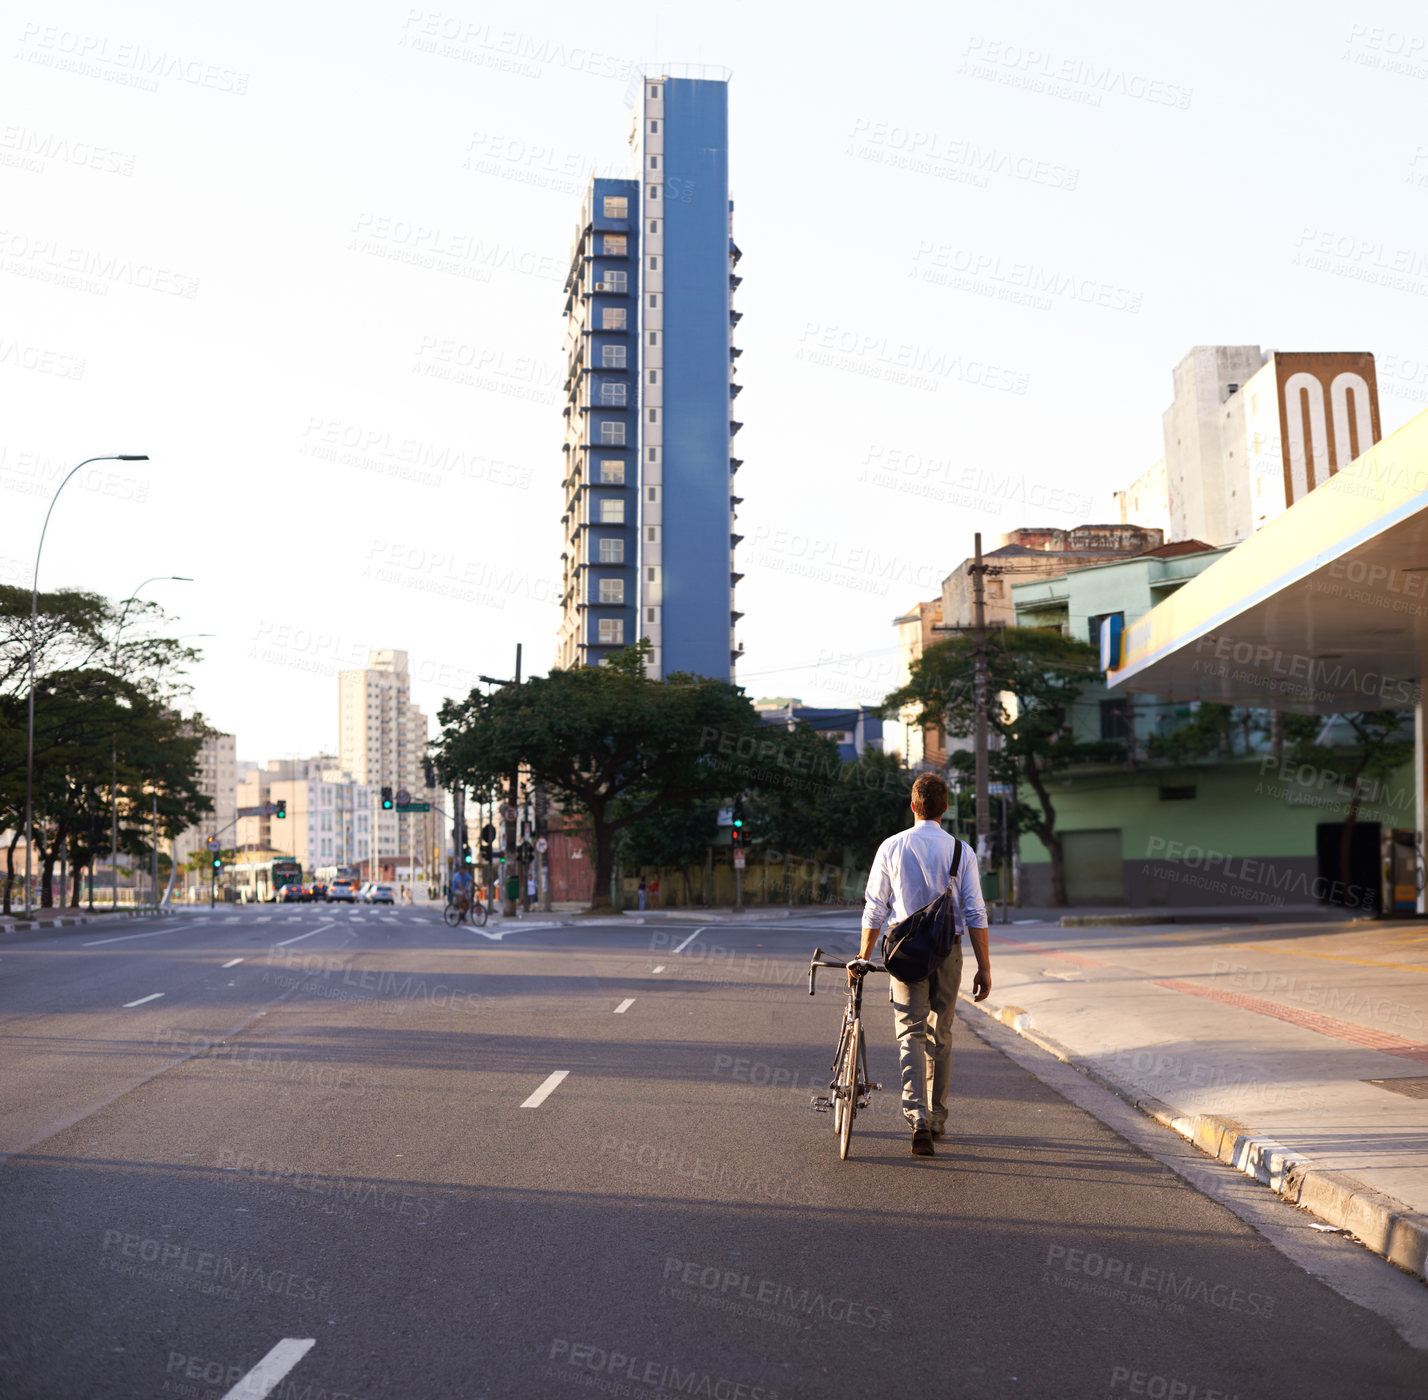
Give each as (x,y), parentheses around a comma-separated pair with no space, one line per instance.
(542,845)
(212,843)
(738,860)
(488,832)
(999,789)
(508,814)
(413,806)
(403,797)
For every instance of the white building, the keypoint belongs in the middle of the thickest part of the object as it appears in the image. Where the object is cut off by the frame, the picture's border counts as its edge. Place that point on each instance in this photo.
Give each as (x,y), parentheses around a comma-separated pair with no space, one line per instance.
(381,737)
(1250,432)
(329,819)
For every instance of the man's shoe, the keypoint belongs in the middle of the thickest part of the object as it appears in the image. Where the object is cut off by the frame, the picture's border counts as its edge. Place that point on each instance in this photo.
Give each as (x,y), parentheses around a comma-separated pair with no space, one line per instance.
(922,1142)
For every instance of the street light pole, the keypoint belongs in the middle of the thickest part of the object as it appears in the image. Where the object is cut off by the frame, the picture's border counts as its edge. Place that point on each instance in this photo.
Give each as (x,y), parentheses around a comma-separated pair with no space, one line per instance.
(34,643)
(114,748)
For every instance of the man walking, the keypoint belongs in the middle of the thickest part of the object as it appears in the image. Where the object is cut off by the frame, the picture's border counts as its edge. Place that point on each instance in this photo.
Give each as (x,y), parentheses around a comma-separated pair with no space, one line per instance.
(909,871)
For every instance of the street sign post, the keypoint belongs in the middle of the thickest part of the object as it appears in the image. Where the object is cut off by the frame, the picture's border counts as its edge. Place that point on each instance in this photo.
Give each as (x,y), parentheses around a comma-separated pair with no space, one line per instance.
(738,860)
(542,845)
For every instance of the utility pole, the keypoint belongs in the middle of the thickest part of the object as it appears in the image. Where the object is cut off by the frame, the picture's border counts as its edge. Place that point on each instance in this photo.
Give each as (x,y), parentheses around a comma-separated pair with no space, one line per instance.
(508,905)
(979,697)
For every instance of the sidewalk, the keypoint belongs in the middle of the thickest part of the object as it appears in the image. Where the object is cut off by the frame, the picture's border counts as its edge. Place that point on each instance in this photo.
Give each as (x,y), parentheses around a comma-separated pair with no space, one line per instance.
(1297,1052)
(66,918)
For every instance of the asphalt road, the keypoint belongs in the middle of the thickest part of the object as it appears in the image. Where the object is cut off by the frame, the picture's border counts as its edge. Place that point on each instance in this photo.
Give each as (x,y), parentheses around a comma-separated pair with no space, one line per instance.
(319,1126)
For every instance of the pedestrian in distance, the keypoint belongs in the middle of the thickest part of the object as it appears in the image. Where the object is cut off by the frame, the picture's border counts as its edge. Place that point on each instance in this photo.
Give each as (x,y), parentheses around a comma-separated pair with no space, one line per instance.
(654,893)
(530,892)
(909,872)
(641,892)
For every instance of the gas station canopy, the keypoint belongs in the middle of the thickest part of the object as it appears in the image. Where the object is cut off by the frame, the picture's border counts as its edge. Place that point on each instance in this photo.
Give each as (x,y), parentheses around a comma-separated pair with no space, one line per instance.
(1322,611)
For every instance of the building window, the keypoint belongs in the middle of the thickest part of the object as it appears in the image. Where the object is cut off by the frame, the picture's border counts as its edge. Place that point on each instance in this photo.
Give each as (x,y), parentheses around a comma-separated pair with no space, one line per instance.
(651,574)
(613,318)
(613,394)
(615,279)
(612,357)
(612,472)
(614,245)
(654,415)
(654,191)
(654,493)
(1113,719)
(654,454)
(612,631)
(612,551)
(612,511)
(654,376)
(654,162)
(612,590)
(654,225)
(654,299)
(652,533)
(616,207)
(654,127)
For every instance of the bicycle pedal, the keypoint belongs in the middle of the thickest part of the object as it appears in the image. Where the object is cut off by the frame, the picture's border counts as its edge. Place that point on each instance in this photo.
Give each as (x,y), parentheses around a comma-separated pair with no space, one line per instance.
(819,1105)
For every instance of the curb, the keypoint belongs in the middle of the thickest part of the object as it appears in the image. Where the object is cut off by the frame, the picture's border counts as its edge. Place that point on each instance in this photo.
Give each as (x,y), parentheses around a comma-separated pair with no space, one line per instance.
(1379,1222)
(24,925)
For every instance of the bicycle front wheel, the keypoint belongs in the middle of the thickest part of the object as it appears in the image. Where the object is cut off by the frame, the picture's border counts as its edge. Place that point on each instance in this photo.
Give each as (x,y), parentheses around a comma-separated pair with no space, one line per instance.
(848,1088)
(478,914)
(452,915)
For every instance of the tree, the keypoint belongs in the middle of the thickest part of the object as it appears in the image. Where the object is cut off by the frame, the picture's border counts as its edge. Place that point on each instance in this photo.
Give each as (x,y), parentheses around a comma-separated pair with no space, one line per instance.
(614,744)
(676,837)
(105,707)
(1379,746)
(1044,673)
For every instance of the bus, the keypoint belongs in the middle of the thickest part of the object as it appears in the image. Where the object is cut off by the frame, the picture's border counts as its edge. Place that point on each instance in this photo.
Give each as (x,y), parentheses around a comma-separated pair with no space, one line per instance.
(330,874)
(262,880)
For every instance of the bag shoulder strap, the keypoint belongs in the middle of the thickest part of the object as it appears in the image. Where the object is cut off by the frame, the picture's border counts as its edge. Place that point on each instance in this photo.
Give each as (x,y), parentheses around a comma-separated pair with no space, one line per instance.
(956,859)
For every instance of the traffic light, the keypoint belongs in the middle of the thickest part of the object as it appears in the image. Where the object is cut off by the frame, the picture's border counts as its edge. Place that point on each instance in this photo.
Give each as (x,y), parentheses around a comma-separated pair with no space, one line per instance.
(466,853)
(738,834)
(218,862)
(282,811)
(386,799)
(486,850)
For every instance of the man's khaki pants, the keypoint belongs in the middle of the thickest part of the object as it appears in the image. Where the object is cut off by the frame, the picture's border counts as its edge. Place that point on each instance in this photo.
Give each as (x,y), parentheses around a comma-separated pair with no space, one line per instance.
(922,1021)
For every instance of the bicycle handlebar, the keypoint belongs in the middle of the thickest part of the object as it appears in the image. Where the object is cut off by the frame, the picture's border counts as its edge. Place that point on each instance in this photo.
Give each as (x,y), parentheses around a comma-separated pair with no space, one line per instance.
(862,966)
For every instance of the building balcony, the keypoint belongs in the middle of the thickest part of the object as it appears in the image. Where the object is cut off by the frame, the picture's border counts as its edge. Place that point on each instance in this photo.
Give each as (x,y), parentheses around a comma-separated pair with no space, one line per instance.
(734,464)
(734,578)
(735,317)
(735,501)
(612,289)
(734,541)
(734,352)
(735,390)
(734,253)
(734,426)
(734,282)
(606,330)
(734,616)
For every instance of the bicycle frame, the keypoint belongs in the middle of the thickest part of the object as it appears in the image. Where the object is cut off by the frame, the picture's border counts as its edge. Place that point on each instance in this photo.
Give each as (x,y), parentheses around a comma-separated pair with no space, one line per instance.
(849,1089)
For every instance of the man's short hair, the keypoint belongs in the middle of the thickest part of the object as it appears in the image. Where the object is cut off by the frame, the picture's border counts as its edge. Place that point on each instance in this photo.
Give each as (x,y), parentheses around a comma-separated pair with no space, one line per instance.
(929,796)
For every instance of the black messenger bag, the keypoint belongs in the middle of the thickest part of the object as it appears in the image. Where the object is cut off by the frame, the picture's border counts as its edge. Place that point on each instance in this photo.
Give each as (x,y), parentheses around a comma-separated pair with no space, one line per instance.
(916,947)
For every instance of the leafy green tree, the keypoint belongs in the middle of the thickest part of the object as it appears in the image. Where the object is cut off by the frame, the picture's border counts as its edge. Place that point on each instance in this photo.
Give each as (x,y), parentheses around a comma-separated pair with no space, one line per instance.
(677,837)
(1044,673)
(606,740)
(1382,742)
(105,707)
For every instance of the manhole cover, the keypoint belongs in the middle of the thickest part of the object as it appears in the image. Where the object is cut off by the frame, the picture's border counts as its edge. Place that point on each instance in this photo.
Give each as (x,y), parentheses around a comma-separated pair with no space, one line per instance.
(1412,1087)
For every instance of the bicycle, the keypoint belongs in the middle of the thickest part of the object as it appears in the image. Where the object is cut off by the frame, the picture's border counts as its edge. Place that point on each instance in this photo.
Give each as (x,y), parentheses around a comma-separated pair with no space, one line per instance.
(850,1088)
(457,911)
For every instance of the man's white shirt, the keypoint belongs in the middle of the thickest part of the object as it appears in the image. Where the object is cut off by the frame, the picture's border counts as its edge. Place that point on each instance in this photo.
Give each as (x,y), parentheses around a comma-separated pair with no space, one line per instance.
(912,868)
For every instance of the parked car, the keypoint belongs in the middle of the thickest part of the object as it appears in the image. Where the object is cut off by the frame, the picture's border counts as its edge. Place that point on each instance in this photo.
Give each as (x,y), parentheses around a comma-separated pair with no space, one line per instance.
(342,892)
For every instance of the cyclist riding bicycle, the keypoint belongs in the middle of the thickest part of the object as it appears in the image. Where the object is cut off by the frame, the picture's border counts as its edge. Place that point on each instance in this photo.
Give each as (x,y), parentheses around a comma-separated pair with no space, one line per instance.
(461,885)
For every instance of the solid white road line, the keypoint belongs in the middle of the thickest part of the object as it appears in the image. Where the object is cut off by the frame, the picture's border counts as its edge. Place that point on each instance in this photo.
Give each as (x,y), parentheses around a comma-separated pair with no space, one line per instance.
(301,936)
(660,968)
(624,1005)
(125,937)
(153,996)
(546,1089)
(263,1379)
(233,963)
(688,940)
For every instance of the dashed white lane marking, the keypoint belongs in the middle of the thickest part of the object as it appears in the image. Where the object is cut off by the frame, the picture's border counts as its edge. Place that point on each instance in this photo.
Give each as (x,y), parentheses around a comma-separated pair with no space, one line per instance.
(688,941)
(660,968)
(295,918)
(624,1005)
(233,919)
(546,1089)
(263,1379)
(388,919)
(308,934)
(263,919)
(153,996)
(233,963)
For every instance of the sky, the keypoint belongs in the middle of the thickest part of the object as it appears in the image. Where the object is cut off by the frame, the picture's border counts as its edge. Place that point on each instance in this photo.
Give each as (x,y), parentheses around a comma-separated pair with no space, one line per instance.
(309,259)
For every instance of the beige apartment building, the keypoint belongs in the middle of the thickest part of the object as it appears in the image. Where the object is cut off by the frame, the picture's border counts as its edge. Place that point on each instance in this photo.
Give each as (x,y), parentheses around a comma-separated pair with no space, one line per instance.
(218,781)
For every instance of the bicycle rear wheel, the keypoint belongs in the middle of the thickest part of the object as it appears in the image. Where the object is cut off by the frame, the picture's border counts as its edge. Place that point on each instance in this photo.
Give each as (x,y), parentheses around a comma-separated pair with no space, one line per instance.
(848,1088)
(452,915)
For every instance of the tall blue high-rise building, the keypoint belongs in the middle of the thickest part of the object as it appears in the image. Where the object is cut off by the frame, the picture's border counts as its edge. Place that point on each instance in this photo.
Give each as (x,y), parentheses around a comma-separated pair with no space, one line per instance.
(649,465)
